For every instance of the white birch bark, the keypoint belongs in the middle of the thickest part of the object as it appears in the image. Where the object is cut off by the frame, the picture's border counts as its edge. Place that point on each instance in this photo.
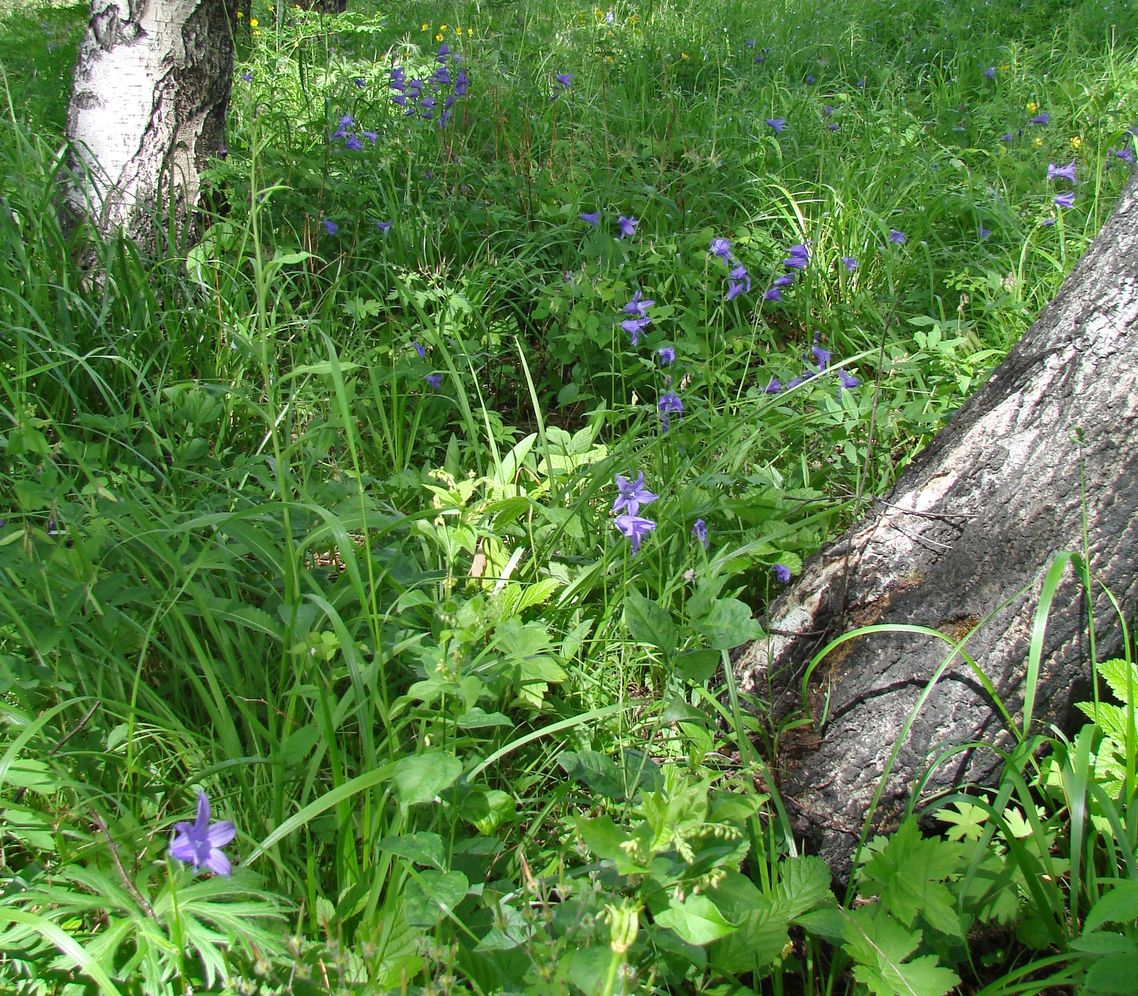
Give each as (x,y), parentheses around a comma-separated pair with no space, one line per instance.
(973,521)
(147,111)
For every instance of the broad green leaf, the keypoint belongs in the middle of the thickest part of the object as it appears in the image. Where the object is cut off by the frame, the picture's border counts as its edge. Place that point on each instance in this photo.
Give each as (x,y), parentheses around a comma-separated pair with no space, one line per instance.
(803,884)
(423,848)
(430,896)
(755,946)
(696,920)
(697,666)
(649,622)
(598,771)
(421,777)
(1120,905)
(601,836)
(588,968)
(728,624)
(1113,974)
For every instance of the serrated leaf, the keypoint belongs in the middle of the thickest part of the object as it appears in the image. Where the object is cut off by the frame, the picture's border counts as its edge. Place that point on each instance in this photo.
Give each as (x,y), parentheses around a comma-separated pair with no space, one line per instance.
(1120,905)
(696,920)
(1112,974)
(598,771)
(756,944)
(421,777)
(803,884)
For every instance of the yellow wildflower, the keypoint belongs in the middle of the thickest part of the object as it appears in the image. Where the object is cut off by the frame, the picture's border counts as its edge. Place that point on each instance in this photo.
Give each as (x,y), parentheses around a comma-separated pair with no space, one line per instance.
(253,22)
(1038,143)
(1032,107)
(1004,68)
(1076,142)
(438,37)
(683,55)
(424,27)
(442,27)
(469,32)
(241,13)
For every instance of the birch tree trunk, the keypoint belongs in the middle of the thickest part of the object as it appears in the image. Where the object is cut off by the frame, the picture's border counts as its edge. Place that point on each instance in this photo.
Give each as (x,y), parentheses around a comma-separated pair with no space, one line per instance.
(975,520)
(147,111)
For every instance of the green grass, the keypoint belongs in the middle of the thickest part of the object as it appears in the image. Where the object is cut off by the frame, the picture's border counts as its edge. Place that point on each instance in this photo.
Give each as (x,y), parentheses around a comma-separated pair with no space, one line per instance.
(466,735)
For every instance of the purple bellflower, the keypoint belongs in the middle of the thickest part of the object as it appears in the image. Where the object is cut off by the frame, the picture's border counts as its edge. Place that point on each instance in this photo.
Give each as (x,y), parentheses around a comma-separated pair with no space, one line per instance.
(990,72)
(592,217)
(420,349)
(667,356)
(635,527)
(634,326)
(1061,172)
(435,380)
(850,263)
(1041,118)
(776,124)
(1065,200)
(822,356)
(627,225)
(773,387)
(984,233)
(330,226)
(564,79)
(782,573)
(897,237)
(847,380)
(631,495)
(740,282)
(786,280)
(721,248)
(773,294)
(668,405)
(699,531)
(200,843)
(638,306)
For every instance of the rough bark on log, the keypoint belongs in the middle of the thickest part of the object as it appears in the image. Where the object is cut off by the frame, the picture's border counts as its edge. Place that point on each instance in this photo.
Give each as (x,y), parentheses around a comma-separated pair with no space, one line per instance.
(975,519)
(147,111)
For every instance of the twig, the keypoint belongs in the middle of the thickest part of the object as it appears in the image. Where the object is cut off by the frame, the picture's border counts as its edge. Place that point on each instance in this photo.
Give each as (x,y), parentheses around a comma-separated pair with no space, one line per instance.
(130,886)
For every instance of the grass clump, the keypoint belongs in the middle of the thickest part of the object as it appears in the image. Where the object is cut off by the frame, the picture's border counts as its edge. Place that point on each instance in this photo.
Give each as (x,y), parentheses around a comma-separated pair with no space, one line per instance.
(411,515)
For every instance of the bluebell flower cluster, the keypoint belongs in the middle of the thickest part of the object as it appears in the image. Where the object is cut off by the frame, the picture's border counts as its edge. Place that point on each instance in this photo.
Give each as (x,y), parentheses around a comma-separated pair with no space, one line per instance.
(797,259)
(631,496)
(419,98)
(738,279)
(345,133)
(817,362)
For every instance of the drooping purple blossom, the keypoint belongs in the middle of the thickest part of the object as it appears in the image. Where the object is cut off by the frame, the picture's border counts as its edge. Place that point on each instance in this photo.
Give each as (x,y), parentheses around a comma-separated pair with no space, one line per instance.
(634,327)
(984,233)
(1041,118)
(990,72)
(564,79)
(773,387)
(635,527)
(772,294)
(821,356)
(722,249)
(668,405)
(667,356)
(627,225)
(1062,172)
(1126,154)
(638,305)
(1065,200)
(247,76)
(786,280)
(782,573)
(330,226)
(592,217)
(420,349)
(776,124)
(631,495)
(699,531)
(739,283)
(434,379)
(200,843)
(850,263)
(897,237)
(847,380)
(353,143)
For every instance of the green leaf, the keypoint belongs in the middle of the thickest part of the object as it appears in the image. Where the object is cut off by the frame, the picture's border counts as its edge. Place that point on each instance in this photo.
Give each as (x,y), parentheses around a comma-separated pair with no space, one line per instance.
(601,836)
(728,624)
(588,968)
(649,622)
(1120,905)
(423,848)
(697,921)
(803,884)
(1112,974)
(756,945)
(431,895)
(697,666)
(881,945)
(421,777)
(598,771)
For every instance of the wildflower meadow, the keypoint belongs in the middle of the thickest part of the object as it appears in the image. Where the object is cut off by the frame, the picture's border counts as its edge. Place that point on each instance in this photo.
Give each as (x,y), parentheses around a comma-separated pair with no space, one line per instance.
(371,566)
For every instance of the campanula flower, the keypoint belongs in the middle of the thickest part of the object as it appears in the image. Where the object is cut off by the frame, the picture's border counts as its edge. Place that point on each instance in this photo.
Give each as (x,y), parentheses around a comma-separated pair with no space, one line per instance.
(984,233)
(1125,154)
(200,843)
(850,263)
(1040,119)
(782,573)
(773,294)
(634,326)
(897,237)
(1061,172)
(330,226)
(740,282)
(773,387)
(668,405)
(1065,200)
(699,531)
(592,217)
(848,380)
(776,124)
(990,72)
(627,225)
(564,79)
(635,527)
(420,349)
(638,306)
(821,356)
(667,356)
(631,495)
(786,280)
(247,76)
(721,248)
(352,142)
(435,380)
